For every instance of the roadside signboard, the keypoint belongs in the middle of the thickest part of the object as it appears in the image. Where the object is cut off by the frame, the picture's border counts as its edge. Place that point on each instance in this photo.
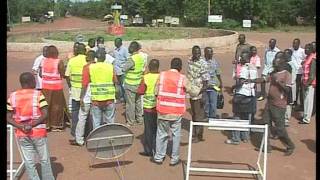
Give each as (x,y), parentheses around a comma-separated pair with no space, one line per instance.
(215,18)
(175,20)
(246,23)
(167,19)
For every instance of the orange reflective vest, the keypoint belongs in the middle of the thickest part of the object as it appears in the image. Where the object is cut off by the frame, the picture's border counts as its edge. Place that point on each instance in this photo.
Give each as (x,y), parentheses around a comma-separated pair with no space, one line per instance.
(171,94)
(306,69)
(51,78)
(25,103)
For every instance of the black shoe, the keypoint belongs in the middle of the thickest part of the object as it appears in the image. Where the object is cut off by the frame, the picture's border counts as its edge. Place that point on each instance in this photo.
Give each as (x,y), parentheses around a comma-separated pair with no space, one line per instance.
(268,150)
(195,140)
(288,151)
(145,154)
(154,161)
(302,122)
(175,163)
(74,142)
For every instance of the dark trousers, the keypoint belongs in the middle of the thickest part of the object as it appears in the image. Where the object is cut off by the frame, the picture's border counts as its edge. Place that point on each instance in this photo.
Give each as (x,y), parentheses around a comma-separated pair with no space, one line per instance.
(120,94)
(150,132)
(198,115)
(276,115)
(75,116)
(299,90)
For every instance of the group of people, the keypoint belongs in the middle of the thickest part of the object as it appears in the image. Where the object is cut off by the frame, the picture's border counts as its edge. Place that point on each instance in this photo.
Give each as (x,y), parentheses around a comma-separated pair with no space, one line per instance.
(289,74)
(98,78)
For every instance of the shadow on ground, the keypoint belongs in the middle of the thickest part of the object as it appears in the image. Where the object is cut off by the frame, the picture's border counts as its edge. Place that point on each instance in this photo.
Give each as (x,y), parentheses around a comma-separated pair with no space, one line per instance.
(310,143)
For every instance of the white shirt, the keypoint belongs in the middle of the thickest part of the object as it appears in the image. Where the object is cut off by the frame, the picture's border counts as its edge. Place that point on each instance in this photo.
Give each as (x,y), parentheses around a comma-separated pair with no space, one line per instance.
(36,67)
(268,60)
(294,67)
(298,56)
(109,59)
(248,71)
(145,59)
(87,96)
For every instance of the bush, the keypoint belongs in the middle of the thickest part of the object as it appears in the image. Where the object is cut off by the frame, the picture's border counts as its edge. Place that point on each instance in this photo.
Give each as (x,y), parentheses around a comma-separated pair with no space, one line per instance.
(225,24)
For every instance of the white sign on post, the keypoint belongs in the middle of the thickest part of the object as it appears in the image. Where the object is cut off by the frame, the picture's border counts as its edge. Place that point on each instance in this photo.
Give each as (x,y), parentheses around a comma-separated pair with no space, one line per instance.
(25,19)
(124,16)
(246,23)
(167,19)
(215,18)
(175,20)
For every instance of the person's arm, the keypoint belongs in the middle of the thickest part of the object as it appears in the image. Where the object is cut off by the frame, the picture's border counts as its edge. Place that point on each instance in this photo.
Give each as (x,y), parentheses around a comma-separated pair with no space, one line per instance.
(114,78)
(128,65)
(12,122)
(67,74)
(312,73)
(61,69)
(85,83)
(43,117)
(281,84)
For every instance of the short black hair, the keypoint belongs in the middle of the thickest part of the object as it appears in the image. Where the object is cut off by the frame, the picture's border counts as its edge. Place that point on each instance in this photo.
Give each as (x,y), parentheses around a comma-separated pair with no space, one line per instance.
(297,39)
(176,63)
(288,50)
(101,54)
(252,47)
(52,52)
(27,79)
(242,35)
(81,48)
(118,39)
(134,47)
(90,55)
(153,65)
(100,39)
(196,47)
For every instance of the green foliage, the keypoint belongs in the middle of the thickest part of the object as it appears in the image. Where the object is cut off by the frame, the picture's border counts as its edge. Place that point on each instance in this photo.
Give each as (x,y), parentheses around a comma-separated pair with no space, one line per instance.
(195,12)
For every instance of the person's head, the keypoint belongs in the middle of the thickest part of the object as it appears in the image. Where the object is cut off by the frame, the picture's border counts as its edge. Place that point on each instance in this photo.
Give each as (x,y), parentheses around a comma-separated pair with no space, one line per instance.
(118,42)
(253,50)
(314,46)
(245,57)
(153,66)
(279,63)
(90,56)
(242,38)
(296,43)
(272,43)
(81,49)
(100,41)
(75,48)
(91,42)
(101,55)
(27,80)
(176,63)
(308,49)
(208,53)
(134,47)
(52,52)
(288,54)
(45,51)
(196,53)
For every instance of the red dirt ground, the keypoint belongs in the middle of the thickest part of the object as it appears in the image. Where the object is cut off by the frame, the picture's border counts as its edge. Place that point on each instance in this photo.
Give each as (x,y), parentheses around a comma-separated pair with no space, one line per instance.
(70,162)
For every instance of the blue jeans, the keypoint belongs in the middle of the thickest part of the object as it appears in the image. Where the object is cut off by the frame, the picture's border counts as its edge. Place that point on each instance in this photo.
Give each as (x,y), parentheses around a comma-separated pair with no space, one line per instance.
(241,135)
(210,103)
(75,116)
(163,136)
(102,114)
(36,146)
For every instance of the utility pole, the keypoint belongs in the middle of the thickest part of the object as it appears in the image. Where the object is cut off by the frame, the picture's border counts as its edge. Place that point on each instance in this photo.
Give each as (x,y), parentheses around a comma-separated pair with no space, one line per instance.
(209,8)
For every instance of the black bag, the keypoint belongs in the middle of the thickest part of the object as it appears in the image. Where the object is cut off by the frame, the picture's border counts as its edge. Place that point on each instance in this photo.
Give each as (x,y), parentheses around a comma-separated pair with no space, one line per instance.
(241,99)
(220,101)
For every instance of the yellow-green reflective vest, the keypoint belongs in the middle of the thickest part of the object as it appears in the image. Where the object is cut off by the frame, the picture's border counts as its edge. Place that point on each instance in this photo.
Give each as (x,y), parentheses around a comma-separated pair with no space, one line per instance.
(76,65)
(133,77)
(101,81)
(149,98)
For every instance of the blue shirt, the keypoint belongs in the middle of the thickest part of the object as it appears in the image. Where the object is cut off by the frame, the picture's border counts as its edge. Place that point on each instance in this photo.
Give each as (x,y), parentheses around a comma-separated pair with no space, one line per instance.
(120,55)
(214,70)
(268,60)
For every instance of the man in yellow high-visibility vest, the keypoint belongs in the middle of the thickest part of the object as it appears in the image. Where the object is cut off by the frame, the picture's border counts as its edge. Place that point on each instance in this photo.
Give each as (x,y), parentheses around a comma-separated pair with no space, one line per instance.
(74,78)
(133,75)
(102,85)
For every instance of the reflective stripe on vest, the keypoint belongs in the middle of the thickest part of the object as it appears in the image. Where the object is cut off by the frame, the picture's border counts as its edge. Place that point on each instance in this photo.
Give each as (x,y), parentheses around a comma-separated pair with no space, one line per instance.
(101,81)
(171,97)
(51,78)
(76,66)
(149,98)
(25,103)
(306,70)
(133,77)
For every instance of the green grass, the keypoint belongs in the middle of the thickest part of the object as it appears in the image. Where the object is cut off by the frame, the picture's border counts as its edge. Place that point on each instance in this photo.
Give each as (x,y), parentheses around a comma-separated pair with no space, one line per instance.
(282,28)
(138,33)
